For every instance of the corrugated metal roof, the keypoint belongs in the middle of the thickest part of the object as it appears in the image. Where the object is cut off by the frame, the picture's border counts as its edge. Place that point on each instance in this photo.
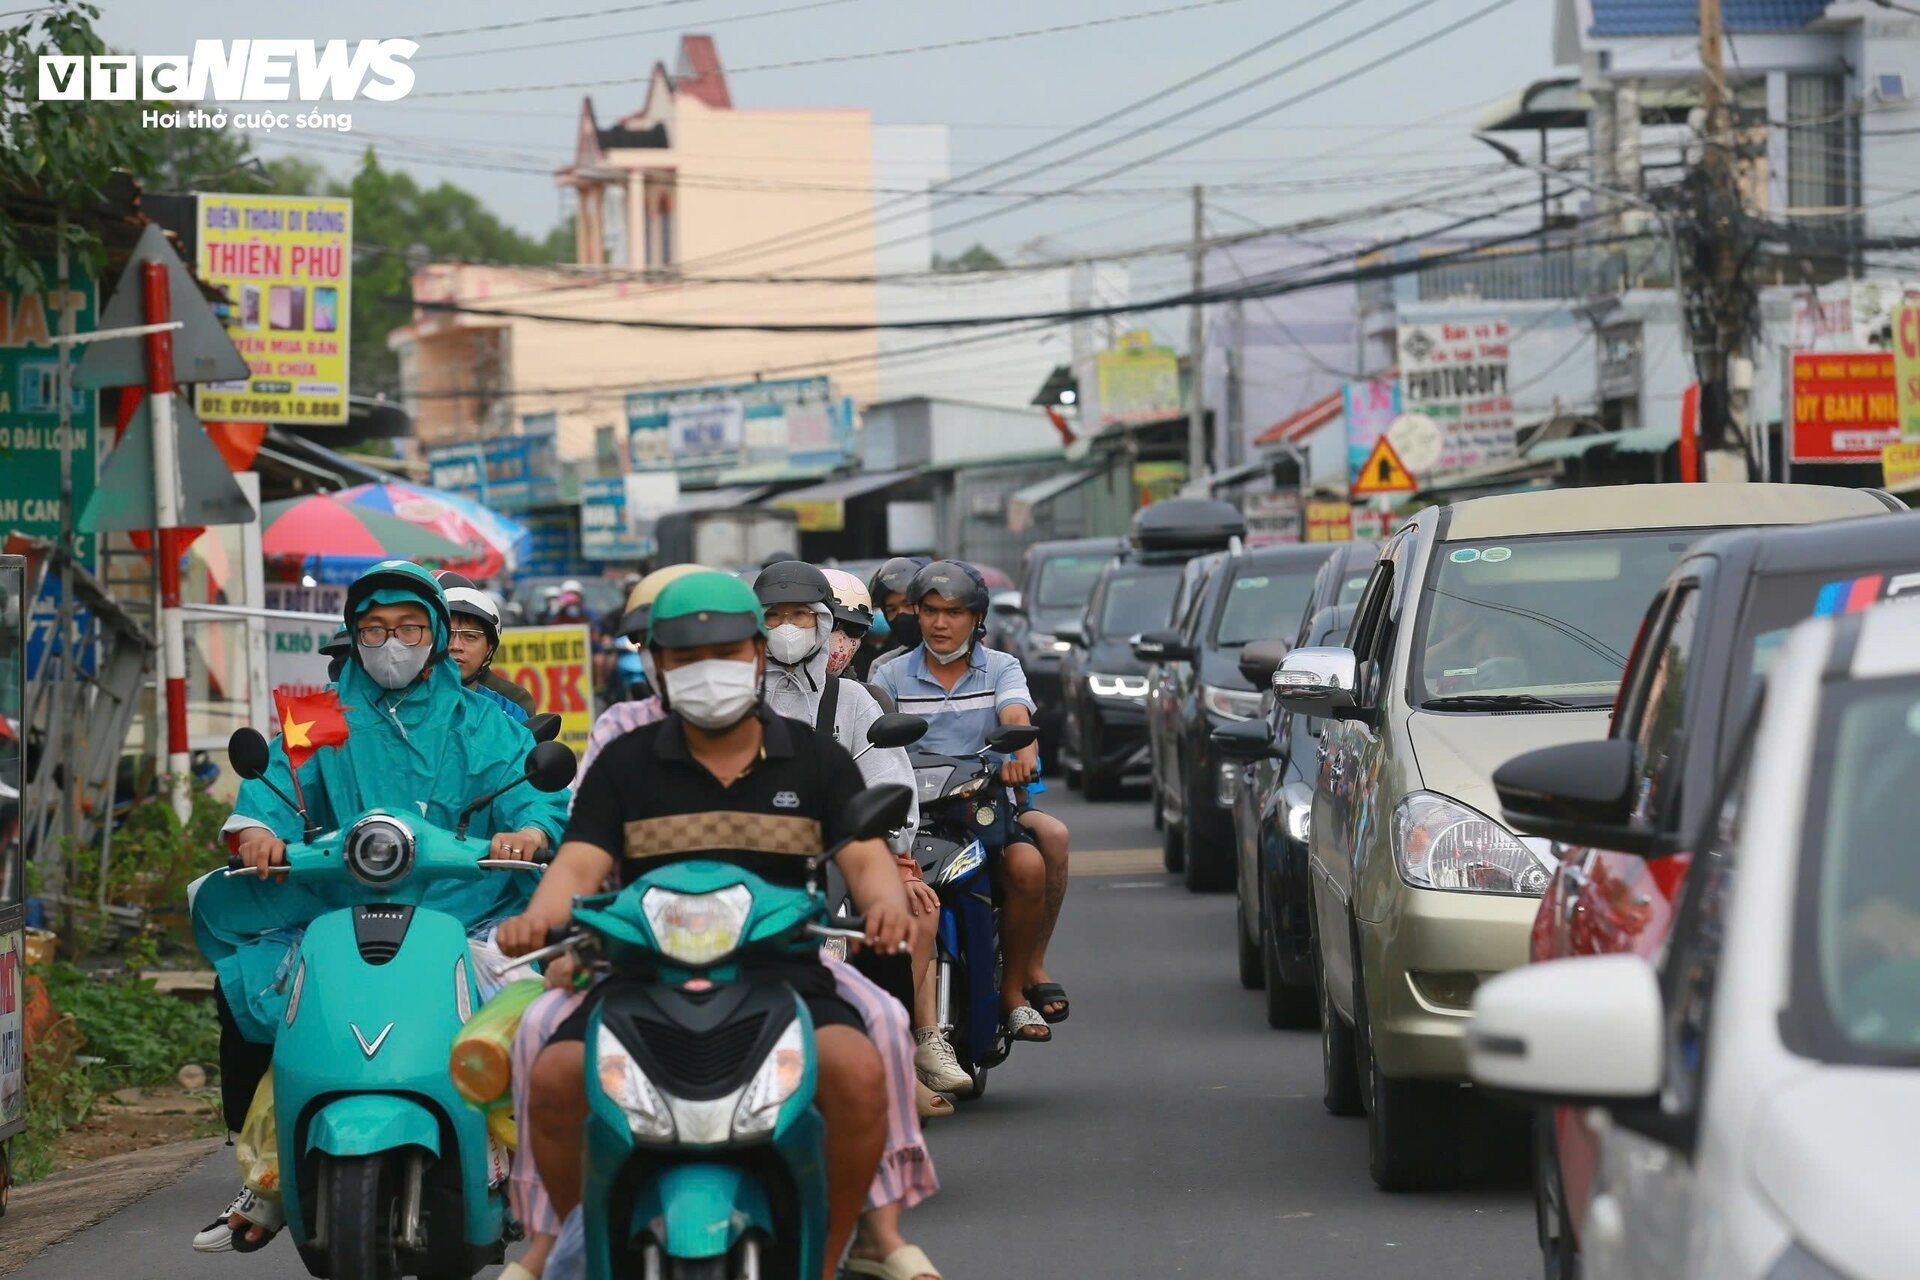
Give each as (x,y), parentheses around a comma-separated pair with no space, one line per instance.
(1682,17)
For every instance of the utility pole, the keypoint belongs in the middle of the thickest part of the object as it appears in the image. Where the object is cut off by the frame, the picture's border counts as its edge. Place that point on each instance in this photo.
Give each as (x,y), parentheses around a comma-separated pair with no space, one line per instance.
(1236,406)
(1724,342)
(1196,346)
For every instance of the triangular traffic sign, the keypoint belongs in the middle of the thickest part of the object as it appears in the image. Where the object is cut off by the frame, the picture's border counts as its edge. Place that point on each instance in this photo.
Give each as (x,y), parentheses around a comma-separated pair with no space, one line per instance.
(202,351)
(1383,473)
(209,495)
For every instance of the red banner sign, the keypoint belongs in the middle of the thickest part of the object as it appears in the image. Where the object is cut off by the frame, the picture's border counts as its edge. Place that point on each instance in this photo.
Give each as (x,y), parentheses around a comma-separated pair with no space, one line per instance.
(1844,406)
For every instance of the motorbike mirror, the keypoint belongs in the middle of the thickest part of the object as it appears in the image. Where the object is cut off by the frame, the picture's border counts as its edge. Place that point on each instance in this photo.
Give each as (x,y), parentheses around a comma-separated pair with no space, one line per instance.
(544,727)
(551,766)
(1012,737)
(247,752)
(896,730)
(875,812)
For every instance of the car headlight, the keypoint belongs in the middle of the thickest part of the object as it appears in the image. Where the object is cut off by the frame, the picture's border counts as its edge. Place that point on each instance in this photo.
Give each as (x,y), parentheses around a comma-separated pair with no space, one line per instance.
(622,1080)
(1234,704)
(965,863)
(779,1075)
(697,928)
(379,850)
(1103,686)
(1441,844)
(1060,646)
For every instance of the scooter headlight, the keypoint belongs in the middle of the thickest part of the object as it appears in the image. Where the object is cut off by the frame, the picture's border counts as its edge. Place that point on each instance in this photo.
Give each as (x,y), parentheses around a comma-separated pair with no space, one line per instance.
(622,1080)
(779,1075)
(964,863)
(379,850)
(697,928)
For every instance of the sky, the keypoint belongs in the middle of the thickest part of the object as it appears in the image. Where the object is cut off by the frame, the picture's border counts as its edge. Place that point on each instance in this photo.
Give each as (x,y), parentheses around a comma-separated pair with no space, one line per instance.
(1334,149)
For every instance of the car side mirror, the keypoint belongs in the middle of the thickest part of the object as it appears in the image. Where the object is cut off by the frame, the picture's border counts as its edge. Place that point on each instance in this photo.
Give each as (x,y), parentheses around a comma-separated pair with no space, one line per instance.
(1577,793)
(1073,632)
(1247,740)
(1318,681)
(1259,660)
(1009,738)
(551,766)
(1576,1032)
(247,753)
(1161,646)
(896,729)
(878,811)
(544,727)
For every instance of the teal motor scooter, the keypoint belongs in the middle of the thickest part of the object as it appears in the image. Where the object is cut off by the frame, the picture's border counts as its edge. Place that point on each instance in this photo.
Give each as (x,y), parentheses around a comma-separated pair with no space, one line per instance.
(705,1155)
(385,1169)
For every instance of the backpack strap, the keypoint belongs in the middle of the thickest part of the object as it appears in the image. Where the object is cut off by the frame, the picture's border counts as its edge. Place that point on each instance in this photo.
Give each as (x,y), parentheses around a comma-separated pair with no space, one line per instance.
(829,707)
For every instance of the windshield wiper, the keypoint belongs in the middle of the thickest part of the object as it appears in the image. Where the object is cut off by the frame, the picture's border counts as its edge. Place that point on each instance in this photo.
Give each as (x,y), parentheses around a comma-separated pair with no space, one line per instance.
(1502,702)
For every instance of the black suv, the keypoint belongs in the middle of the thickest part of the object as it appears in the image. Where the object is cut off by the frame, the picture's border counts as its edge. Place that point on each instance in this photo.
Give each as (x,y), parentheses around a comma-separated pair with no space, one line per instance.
(1247,596)
(1056,581)
(1103,685)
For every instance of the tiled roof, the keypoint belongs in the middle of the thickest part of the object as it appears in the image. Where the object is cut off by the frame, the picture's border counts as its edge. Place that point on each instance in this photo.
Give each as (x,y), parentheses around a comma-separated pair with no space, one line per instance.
(1682,17)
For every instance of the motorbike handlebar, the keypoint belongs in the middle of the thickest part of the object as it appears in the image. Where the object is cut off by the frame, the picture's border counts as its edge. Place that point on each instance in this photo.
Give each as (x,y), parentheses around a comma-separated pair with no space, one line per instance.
(236,867)
(852,928)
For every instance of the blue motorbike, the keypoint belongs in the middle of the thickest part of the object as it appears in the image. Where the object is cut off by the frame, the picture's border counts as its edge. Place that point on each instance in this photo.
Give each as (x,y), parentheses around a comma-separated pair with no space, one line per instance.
(704,1151)
(965,811)
(385,1170)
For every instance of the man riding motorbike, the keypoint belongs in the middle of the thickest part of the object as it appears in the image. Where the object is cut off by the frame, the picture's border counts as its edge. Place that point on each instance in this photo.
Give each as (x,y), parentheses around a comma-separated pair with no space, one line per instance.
(474,640)
(888,592)
(723,778)
(417,741)
(965,690)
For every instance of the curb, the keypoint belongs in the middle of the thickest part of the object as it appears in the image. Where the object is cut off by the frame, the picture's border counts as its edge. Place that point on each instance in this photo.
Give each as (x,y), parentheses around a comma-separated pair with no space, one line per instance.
(43,1214)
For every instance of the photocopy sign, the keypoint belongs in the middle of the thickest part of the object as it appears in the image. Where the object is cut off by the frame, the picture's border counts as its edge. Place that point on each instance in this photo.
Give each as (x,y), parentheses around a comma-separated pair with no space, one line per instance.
(30,498)
(1455,372)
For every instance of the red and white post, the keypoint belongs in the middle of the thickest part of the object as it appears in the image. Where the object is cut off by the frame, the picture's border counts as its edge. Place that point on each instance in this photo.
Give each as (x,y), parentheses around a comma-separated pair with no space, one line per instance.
(158,308)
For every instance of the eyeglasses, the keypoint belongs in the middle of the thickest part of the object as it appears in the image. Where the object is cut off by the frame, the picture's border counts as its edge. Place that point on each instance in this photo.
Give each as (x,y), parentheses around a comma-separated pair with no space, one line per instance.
(465,637)
(410,633)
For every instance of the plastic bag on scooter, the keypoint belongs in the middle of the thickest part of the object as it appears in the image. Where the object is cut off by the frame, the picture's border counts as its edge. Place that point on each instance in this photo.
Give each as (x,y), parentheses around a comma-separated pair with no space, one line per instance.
(482,1061)
(257,1147)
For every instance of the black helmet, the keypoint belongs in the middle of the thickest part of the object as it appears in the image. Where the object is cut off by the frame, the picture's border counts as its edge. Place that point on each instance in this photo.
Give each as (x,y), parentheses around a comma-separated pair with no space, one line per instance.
(895,575)
(341,644)
(778,557)
(792,582)
(954,579)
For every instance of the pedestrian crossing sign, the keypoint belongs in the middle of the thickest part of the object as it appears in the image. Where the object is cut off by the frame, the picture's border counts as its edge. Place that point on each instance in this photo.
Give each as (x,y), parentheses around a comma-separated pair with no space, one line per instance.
(1383,473)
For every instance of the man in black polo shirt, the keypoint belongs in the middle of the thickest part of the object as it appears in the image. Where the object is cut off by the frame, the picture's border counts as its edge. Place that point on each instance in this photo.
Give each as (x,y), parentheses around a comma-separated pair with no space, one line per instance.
(718,778)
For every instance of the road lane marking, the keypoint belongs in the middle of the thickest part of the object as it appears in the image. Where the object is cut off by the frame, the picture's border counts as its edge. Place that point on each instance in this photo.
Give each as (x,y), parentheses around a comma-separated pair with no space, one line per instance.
(1117,862)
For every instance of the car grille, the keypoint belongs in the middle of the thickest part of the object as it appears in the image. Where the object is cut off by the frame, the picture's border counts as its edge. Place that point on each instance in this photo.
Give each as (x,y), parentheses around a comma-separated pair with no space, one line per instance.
(700,1066)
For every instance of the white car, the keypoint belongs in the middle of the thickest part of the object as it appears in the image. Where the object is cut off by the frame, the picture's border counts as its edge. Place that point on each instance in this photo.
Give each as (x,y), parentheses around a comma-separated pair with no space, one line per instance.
(1757,1091)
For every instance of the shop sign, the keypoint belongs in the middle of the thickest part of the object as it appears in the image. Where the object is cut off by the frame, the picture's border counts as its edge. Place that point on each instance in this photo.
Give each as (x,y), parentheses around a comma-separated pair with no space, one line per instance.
(797,422)
(554,664)
(295,665)
(1455,372)
(1906,368)
(286,263)
(507,472)
(1900,464)
(30,497)
(1329,522)
(1272,518)
(1158,481)
(611,527)
(1139,381)
(1371,407)
(1845,407)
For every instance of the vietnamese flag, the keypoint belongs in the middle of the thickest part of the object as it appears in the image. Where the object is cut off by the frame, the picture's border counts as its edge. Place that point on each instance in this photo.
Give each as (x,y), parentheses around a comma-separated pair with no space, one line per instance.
(308,723)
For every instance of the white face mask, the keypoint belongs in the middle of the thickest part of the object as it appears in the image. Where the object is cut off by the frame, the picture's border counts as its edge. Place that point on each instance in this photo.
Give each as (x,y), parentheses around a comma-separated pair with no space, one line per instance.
(394,665)
(790,645)
(955,656)
(714,693)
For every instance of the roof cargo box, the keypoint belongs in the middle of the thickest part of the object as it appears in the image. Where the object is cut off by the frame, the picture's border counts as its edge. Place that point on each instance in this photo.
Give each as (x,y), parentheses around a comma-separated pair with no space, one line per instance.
(1186,525)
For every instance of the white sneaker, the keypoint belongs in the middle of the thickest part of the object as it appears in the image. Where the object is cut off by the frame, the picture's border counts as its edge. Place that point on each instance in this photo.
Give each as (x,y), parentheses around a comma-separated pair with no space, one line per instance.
(938,1069)
(217,1236)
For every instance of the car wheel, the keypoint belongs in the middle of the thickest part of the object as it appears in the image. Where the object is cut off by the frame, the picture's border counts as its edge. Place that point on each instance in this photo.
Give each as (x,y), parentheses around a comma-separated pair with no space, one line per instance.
(1339,1074)
(1412,1125)
(1096,782)
(1559,1260)
(1159,814)
(1248,950)
(1288,1006)
(1173,847)
(1208,869)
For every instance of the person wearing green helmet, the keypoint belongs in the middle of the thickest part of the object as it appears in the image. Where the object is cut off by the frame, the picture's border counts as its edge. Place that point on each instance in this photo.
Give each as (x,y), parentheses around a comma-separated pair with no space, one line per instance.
(769,797)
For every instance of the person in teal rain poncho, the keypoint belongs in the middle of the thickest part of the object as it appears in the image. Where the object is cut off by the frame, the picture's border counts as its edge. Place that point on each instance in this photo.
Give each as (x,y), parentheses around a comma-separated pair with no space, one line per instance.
(417,742)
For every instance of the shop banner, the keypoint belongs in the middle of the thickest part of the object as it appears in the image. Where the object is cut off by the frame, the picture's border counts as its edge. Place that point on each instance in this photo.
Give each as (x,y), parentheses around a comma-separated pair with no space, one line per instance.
(1139,382)
(1845,407)
(506,472)
(1906,368)
(1848,315)
(1900,464)
(1158,481)
(555,665)
(30,499)
(1456,374)
(1370,524)
(1371,408)
(1272,518)
(796,422)
(1329,522)
(611,526)
(295,665)
(286,263)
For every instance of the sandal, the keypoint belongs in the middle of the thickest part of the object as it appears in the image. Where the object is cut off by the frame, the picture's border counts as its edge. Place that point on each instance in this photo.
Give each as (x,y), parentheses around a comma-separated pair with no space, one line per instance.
(908,1262)
(219,1236)
(1042,994)
(931,1105)
(1015,1023)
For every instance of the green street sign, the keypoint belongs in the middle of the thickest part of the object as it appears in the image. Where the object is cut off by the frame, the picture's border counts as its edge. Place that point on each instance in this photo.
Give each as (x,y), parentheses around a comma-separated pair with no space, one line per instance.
(30,492)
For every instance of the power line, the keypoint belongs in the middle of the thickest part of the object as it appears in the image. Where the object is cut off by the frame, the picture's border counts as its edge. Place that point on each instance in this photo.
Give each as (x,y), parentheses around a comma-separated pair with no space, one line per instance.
(612,35)
(557,17)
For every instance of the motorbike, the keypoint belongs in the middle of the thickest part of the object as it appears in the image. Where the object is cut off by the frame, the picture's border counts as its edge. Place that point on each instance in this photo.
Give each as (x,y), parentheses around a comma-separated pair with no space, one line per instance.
(385,1170)
(704,1151)
(963,806)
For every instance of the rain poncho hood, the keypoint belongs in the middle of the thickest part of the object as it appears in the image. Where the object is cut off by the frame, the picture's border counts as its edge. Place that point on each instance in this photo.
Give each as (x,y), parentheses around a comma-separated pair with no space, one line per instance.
(427,749)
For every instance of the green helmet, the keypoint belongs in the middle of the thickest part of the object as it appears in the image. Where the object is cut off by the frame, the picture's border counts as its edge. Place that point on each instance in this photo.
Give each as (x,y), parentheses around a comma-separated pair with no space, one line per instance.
(704,608)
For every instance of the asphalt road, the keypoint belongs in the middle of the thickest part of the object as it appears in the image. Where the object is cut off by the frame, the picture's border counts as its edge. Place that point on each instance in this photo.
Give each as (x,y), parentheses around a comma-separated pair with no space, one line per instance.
(1166,1131)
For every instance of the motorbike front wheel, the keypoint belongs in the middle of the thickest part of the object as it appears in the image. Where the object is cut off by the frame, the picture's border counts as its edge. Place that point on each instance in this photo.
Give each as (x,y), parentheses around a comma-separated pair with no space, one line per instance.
(362,1206)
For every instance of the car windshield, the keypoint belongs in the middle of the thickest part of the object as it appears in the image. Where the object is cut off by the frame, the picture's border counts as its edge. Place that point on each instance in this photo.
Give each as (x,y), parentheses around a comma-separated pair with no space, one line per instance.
(1262,605)
(1139,599)
(1858,936)
(1063,585)
(1537,621)
(1781,600)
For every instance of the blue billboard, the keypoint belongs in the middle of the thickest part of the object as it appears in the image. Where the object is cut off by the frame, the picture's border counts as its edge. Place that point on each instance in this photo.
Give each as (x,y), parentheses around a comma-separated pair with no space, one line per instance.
(795,422)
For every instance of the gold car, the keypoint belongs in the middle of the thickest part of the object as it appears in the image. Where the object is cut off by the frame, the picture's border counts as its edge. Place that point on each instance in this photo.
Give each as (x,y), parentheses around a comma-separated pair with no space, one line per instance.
(1488,628)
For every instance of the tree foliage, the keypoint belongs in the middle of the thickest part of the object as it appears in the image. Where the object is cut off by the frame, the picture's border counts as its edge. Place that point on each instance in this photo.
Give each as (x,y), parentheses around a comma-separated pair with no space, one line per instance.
(977,258)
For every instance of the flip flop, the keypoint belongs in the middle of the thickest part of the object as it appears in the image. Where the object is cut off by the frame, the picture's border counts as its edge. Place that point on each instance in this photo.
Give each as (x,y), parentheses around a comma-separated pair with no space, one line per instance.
(908,1262)
(219,1235)
(931,1105)
(1042,994)
(1016,1021)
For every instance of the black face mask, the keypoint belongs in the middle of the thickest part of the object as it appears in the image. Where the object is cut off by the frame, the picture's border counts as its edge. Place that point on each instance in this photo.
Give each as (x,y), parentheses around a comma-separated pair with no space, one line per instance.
(905,629)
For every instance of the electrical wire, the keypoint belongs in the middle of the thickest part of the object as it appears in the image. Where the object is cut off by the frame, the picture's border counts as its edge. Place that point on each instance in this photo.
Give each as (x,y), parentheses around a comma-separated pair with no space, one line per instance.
(544,19)
(617,35)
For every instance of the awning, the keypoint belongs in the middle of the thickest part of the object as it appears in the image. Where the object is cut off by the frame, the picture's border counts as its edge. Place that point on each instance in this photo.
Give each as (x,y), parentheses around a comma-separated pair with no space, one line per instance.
(822,508)
(1022,503)
(1639,440)
(1294,429)
(715,499)
(1560,103)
